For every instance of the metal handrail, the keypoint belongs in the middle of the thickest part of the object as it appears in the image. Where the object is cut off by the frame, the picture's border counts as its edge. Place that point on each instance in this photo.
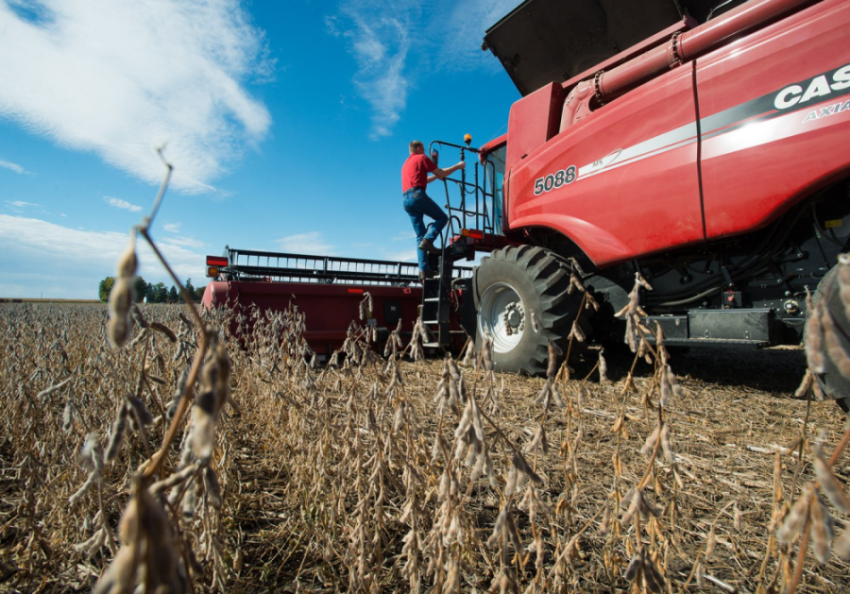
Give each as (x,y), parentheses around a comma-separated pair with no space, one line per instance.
(479,214)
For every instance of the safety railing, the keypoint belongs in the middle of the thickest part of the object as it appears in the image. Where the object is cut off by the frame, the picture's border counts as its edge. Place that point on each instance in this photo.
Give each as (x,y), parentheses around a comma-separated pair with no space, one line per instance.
(474,205)
(304,268)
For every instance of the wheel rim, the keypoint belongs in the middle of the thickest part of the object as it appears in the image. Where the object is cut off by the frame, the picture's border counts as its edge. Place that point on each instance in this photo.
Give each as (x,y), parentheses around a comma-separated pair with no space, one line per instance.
(501,315)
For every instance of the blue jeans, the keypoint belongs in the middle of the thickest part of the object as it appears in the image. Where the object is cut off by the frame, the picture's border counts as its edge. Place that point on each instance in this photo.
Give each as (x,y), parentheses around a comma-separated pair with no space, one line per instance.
(417,205)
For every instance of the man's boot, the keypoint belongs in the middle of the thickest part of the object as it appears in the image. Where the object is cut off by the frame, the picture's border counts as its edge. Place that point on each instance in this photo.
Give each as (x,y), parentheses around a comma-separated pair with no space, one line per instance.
(426,245)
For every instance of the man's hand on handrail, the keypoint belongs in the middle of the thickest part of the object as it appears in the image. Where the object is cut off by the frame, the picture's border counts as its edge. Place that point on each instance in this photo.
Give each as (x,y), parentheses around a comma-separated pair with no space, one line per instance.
(444,173)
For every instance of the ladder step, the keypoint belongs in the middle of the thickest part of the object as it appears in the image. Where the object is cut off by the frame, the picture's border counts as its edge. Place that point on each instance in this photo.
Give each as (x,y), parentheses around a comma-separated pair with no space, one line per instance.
(427,299)
(430,321)
(433,345)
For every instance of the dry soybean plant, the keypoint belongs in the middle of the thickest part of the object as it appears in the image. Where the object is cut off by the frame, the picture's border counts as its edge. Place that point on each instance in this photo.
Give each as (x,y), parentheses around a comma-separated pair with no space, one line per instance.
(805,515)
(213,451)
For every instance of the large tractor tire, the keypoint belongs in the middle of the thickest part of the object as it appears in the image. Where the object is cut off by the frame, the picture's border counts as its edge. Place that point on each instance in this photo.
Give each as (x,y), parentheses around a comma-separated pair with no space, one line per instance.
(834,385)
(508,286)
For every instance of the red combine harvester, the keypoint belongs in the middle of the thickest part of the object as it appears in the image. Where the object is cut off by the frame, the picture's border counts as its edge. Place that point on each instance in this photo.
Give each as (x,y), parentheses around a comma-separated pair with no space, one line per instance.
(710,156)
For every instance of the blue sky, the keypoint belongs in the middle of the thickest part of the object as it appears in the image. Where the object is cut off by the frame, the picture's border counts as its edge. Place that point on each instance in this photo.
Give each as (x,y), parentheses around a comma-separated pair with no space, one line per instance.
(287,123)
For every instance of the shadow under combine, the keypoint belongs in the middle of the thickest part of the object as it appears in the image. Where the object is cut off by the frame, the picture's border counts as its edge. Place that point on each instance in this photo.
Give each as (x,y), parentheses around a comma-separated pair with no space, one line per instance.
(778,369)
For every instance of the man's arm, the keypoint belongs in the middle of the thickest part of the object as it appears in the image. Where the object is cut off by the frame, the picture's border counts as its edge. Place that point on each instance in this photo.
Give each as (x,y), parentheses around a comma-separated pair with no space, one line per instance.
(444,173)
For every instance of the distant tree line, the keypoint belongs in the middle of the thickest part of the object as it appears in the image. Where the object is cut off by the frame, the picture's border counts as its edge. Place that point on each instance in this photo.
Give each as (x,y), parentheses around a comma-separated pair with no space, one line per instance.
(150,293)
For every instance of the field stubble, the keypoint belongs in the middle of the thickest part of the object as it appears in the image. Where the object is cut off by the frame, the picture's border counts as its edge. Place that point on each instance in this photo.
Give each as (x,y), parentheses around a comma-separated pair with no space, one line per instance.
(399,475)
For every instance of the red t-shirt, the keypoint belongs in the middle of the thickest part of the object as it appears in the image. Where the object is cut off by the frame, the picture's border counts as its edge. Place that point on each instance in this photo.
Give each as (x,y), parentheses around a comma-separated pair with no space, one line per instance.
(414,173)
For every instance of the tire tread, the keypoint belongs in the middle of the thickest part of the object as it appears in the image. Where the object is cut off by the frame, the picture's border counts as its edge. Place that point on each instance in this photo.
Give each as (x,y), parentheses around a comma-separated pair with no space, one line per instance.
(550,277)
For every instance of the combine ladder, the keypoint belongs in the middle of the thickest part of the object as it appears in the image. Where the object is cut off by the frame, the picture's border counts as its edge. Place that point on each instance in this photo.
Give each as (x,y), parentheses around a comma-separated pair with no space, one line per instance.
(473,209)
(437,303)
(437,306)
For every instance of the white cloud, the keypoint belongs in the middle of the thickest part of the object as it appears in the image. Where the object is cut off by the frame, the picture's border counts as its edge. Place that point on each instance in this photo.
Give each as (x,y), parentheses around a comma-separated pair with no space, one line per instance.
(190,242)
(186,241)
(306,243)
(461,33)
(379,38)
(22,204)
(92,255)
(118,203)
(395,43)
(405,256)
(13,167)
(121,78)
(404,236)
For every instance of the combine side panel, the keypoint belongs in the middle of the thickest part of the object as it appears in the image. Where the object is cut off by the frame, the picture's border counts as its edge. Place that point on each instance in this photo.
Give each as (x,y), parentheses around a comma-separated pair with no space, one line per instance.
(631,185)
(775,109)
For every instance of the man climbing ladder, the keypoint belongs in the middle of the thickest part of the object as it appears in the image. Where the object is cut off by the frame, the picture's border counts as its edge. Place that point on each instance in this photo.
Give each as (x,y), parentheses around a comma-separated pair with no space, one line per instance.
(417,204)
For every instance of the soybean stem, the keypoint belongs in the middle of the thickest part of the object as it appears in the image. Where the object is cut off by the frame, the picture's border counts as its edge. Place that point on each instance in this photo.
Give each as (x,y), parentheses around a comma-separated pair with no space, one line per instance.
(157,459)
(149,219)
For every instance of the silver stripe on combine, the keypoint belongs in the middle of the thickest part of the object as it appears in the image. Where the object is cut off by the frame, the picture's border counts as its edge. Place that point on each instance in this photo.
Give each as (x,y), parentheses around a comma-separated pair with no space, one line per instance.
(657,145)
